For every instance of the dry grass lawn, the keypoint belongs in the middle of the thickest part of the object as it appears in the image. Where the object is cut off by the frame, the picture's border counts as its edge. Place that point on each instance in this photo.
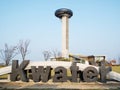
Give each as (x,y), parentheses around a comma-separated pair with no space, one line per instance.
(116,68)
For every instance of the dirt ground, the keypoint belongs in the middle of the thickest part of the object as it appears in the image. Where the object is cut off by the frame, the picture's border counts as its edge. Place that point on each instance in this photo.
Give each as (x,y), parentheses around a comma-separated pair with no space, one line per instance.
(51,85)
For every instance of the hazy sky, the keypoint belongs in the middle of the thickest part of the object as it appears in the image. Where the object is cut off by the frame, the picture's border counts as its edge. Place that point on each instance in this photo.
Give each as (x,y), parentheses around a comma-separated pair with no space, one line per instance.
(94,28)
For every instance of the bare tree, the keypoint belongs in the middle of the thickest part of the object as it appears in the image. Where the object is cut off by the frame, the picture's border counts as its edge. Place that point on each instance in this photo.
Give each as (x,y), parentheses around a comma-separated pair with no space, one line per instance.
(56,54)
(23,48)
(112,62)
(8,53)
(47,55)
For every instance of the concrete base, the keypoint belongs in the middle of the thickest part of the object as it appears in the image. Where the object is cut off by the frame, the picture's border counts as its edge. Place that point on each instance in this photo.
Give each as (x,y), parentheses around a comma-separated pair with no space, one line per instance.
(113,75)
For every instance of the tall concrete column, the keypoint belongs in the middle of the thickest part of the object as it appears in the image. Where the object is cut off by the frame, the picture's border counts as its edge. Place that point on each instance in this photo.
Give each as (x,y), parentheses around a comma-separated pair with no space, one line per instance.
(65,37)
(64,14)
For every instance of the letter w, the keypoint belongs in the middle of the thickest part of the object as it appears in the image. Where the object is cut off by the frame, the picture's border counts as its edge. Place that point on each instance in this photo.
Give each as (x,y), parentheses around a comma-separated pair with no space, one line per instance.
(41,73)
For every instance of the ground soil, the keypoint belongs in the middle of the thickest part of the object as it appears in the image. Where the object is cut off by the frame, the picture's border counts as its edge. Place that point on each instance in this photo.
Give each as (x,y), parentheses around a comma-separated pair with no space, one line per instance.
(5,85)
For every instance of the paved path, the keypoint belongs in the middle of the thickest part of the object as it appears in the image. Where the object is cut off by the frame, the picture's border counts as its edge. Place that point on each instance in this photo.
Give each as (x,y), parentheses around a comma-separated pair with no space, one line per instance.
(66,85)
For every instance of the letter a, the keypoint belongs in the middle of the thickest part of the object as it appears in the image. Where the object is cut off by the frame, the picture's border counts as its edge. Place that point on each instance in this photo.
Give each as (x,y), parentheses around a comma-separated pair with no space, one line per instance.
(60,74)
